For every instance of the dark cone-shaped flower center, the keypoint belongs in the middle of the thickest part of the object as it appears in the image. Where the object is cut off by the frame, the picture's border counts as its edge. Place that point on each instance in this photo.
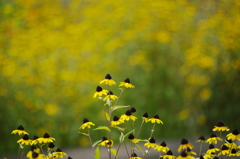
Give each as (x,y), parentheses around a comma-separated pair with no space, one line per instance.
(131,137)
(115,118)
(33,148)
(35,137)
(34,155)
(133,110)
(184,154)
(69,157)
(163,144)
(25,137)
(229,141)
(213,135)
(156,116)
(109,143)
(85,120)
(46,135)
(184,141)
(152,140)
(128,113)
(169,152)
(99,89)
(233,151)
(51,145)
(108,76)
(134,155)
(201,138)
(235,132)
(224,147)
(110,93)
(145,115)
(201,157)
(215,157)
(220,123)
(211,146)
(58,150)
(20,127)
(104,138)
(127,80)
(188,149)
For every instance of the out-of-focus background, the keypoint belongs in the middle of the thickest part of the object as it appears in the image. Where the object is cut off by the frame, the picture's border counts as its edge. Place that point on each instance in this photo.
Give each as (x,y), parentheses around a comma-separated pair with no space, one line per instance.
(182,56)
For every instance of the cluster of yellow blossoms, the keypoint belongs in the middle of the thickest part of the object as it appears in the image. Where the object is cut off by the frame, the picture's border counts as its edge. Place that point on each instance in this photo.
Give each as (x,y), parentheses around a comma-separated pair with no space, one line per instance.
(34,152)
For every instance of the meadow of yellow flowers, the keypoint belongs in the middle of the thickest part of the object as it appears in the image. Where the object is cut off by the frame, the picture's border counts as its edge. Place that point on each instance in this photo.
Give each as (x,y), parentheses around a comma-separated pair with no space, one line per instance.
(182,56)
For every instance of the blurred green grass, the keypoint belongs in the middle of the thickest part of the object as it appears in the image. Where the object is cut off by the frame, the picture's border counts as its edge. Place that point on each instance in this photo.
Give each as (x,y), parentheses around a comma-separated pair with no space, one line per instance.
(183,58)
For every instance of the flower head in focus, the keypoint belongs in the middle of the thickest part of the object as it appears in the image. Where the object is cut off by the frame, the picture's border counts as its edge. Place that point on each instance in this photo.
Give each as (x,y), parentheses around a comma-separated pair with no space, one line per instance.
(20,131)
(86,124)
(126,83)
(108,80)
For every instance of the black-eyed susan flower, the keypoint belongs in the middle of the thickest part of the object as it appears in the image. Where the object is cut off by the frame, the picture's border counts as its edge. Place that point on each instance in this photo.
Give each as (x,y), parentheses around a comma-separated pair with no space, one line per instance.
(35,140)
(162,147)
(151,143)
(212,149)
(134,156)
(224,151)
(209,156)
(184,155)
(132,138)
(234,153)
(116,121)
(36,155)
(106,142)
(190,152)
(201,139)
(32,149)
(126,83)
(59,153)
(86,124)
(127,116)
(145,117)
(100,92)
(184,145)
(156,119)
(46,138)
(230,144)
(108,80)
(110,96)
(25,140)
(20,131)
(169,155)
(220,127)
(133,110)
(213,139)
(234,135)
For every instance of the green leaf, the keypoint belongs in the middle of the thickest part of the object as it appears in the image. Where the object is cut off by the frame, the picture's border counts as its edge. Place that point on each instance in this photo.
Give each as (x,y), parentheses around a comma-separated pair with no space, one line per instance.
(97,154)
(83,133)
(107,116)
(102,128)
(121,138)
(119,107)
(140,149)
(97,142)
(114,152)
(119,128)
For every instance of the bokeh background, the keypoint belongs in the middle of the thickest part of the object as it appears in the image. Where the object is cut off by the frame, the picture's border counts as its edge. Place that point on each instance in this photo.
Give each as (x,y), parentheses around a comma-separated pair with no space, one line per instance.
(182,56)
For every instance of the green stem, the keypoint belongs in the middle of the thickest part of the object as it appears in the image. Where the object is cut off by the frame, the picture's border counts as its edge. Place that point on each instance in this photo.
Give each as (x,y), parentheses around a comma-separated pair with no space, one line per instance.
(140,128)
(152,130)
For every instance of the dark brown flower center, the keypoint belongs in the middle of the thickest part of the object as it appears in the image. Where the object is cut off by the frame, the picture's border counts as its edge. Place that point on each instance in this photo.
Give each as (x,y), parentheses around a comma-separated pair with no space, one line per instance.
(108,76)
(127,80)
(99,89)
